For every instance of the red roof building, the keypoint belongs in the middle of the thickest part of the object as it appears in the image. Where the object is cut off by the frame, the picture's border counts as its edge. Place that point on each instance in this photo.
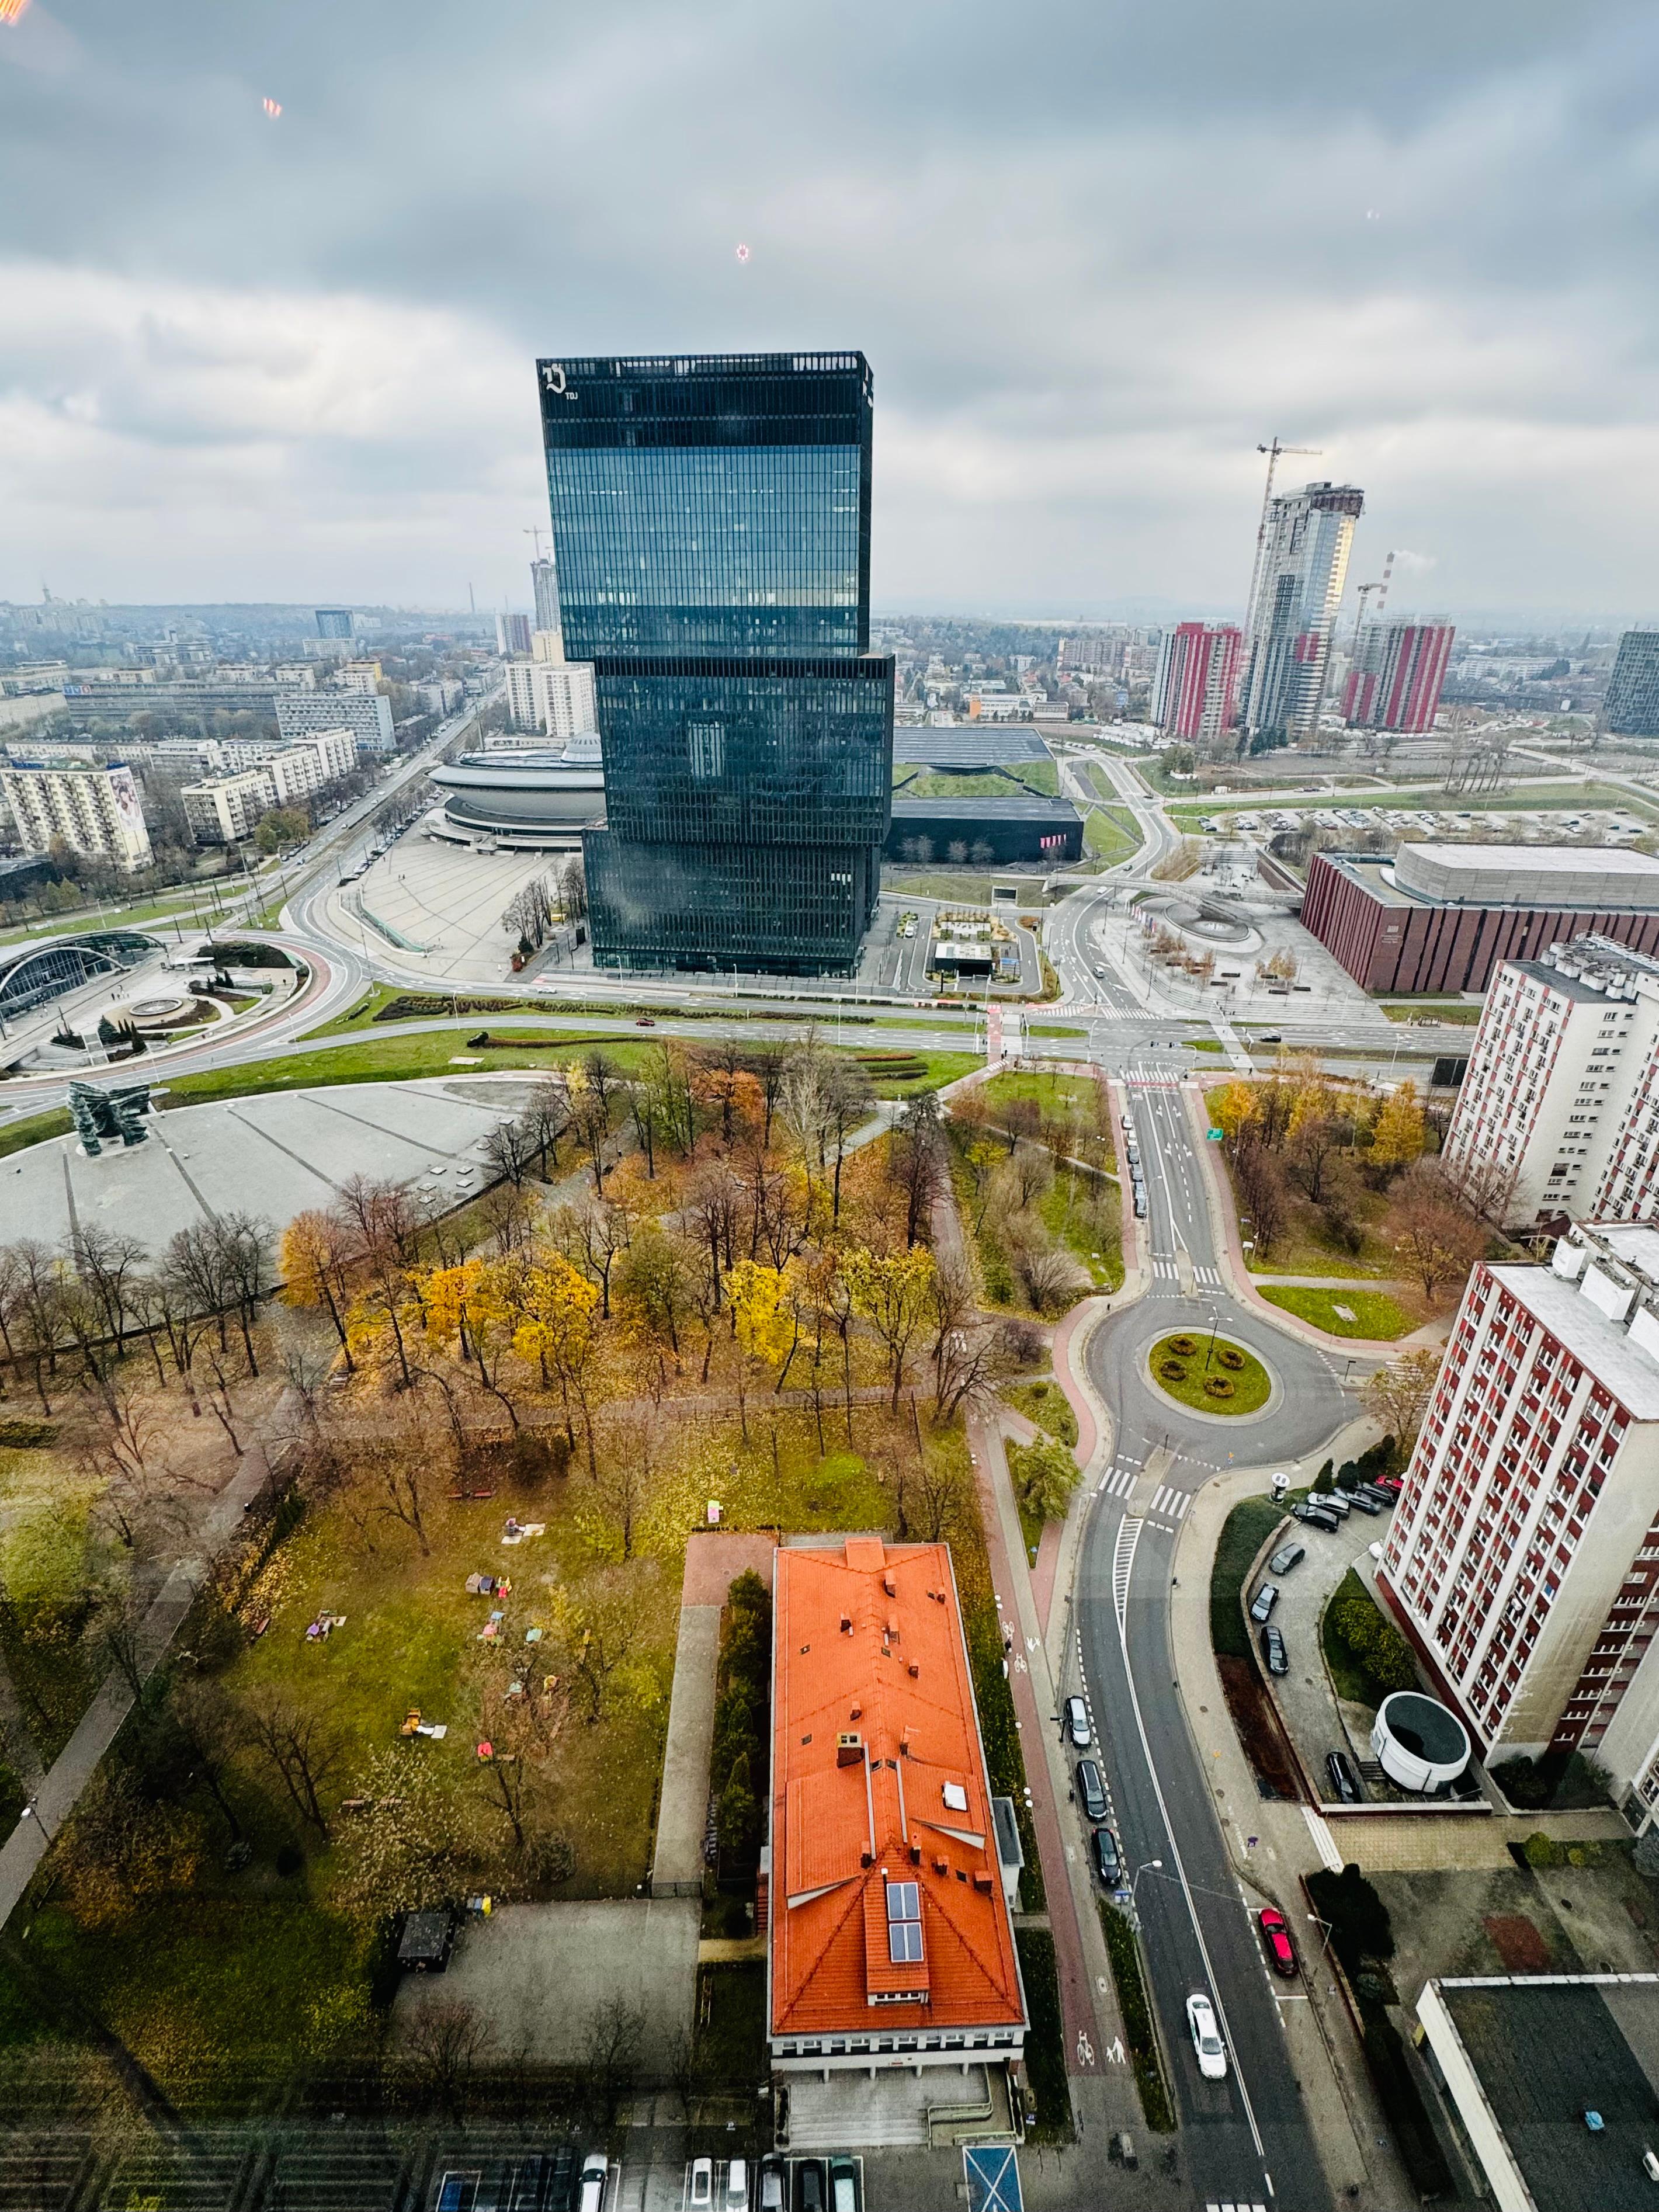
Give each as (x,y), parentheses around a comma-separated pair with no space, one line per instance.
(890,1941)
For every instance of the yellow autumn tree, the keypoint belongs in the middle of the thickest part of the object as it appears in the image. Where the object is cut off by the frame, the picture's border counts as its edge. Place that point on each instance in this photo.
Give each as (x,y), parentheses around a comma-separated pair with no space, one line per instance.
(1397,1139)
(891,1294)
(314,1258)
(465,1307)
(763,1321)
(552,1307)
(1232,1107)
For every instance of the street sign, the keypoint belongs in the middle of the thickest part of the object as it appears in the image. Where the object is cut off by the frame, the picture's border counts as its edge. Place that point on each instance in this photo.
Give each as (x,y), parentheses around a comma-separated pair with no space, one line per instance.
(1216,1136)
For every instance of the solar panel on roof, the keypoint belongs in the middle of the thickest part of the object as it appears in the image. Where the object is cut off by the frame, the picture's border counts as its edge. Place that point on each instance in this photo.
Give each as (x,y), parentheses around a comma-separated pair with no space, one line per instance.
(904,1942)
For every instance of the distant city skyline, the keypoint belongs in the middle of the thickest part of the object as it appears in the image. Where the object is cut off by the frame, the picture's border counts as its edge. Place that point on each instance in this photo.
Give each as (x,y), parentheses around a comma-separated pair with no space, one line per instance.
(300,383)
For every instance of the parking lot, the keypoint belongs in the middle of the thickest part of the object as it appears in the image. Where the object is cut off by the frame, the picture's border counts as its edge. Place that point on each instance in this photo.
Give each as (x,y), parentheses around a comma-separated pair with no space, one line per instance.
(1317,1721)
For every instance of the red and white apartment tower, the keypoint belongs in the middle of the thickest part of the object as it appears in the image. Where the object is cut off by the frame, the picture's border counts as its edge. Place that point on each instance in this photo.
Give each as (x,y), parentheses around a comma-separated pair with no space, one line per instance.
(1196,694)
(1523,1560)
(1394,680)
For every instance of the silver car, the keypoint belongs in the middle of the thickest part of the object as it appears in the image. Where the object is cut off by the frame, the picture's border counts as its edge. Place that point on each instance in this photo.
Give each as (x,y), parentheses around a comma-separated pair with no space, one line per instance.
(1077,1723)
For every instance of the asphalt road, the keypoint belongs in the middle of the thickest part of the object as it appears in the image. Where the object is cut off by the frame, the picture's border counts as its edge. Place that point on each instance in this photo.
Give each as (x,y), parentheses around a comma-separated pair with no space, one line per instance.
(1247,2138)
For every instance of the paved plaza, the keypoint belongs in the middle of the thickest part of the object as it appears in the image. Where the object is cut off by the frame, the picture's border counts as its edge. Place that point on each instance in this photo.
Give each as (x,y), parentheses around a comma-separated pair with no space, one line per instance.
(273,1155)
(439,905)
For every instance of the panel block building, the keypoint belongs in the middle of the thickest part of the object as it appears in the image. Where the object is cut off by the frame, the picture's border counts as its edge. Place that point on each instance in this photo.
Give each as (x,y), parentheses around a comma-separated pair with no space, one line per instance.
(1395,679)
(1631,705)
(1559,1110)
(711,523)
(1196,693)
(93,812)
(1522,1559)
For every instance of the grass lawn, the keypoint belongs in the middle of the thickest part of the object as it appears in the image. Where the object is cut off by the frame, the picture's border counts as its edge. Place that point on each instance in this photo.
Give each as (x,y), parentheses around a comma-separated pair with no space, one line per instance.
(1045,1403)
(1111,833)
(34,1129)
(731,2040)
(1056,1094)
(1085,1215)
(1045,2041)
(1052,1029)
(1041,777)
(1245,1530)
(1250,1381)
(1431,799)
(1375,1313)
(1438,1009)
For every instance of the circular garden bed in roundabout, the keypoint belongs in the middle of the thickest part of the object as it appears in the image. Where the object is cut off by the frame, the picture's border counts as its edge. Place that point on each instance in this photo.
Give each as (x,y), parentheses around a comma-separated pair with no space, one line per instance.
(1211,1376)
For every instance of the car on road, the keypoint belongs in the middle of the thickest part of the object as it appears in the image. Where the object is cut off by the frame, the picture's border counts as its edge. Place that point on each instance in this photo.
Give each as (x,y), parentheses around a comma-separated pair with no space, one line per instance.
(1090,1789)
(644,1022)
(1274,1656)
(1077,1723)
(1344,1780)
(1272,1037)
(810,2185)
(1286,1557)
(844,2195)
(1264,1601)
(595,2169)
(774,2186)
(1109,1861)
(1276,1937)
(1207,2046)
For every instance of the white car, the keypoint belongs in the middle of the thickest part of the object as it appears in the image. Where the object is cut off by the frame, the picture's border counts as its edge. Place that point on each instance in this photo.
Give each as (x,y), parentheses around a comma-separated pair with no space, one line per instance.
(702,2183)
(1211,2051)
(736,2198)
(596,2167)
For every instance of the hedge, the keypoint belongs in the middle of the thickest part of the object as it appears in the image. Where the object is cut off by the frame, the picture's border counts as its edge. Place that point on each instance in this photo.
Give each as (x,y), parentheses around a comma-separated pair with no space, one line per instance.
(1045,2039)
(1123,1948)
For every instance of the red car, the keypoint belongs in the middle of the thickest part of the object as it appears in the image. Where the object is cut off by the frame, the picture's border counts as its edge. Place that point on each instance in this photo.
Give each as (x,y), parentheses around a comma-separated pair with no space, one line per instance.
(1281,1952)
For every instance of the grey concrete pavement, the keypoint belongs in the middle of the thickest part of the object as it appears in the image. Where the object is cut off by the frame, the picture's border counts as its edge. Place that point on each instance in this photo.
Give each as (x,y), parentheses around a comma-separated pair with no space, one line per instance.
(678,1868)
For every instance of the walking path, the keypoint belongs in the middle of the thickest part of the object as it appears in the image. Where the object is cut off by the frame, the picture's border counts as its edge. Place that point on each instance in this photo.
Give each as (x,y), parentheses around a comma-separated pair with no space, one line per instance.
(75,1766)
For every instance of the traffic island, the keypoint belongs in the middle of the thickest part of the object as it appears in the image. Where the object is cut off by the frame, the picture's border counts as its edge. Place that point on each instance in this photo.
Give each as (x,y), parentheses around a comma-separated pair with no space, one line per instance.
(1209,1374)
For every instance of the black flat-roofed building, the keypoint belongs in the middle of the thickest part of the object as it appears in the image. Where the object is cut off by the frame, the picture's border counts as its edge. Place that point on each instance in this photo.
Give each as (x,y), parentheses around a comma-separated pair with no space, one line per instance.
(1553,2082)
(711,521)
(968,748)
(992,832)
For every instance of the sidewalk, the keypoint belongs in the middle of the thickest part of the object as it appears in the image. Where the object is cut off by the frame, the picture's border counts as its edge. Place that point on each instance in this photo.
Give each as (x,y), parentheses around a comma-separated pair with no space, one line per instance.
(1103,2092)
(1269,1861)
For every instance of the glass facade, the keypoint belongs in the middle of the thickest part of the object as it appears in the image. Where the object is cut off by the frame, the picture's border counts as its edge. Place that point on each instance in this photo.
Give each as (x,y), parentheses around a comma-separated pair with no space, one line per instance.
(711,520)
(1632,706)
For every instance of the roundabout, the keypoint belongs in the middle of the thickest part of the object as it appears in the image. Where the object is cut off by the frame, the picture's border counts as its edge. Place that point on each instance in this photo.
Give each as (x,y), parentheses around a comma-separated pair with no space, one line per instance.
(1209,1374)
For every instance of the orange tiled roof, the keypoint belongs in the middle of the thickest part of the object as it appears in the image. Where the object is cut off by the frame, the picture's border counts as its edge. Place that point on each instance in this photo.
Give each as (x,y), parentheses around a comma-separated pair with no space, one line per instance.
(878,1780)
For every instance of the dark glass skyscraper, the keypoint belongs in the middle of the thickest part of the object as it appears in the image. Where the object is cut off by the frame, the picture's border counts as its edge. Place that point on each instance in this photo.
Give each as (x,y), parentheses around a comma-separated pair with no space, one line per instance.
(711,525)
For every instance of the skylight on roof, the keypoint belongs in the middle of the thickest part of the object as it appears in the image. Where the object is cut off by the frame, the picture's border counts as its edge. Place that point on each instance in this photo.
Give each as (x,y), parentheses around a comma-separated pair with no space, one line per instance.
(904,1922)
(955,1798)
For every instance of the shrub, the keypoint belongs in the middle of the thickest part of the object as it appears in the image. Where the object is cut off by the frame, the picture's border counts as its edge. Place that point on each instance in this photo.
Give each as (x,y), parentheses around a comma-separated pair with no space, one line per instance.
(1184,1345)
(1542,1850)
(1360,1924)
(1045,1474)
(1228,1358)
(1376,1645)
(1325,1482)
(1523,1782)
(1172,1371)
(1218,1386)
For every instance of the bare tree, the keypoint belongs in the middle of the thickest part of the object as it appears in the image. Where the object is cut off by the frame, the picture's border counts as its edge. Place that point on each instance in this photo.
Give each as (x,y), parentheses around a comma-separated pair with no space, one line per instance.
(441,2048)
(303,1747)
(108,1262)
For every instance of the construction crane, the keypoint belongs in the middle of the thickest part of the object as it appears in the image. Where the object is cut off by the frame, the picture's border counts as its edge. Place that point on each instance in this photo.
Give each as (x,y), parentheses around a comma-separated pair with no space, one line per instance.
(539,534)
(1272,450)
(1380,587)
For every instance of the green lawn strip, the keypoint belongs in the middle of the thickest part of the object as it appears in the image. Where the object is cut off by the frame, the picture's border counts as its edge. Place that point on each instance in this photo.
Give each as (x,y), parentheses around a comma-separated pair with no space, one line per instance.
(1045,2042)
(1123,1948)
(730,2046)
(1044,1404)
(1085,1213)
(1054,1029)
(394,1060)
(1451,1010)
(1243,1533)
(1111,833)
(1251,1382)
(1375,1313)
(34,1129)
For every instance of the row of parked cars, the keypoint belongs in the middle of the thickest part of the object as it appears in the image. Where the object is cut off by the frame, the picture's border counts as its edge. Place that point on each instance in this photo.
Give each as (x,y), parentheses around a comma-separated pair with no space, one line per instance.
(557,2180)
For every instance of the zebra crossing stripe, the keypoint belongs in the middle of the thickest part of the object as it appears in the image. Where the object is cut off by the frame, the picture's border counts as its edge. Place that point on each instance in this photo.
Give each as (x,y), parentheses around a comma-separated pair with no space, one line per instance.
(1172,1503)
(1118,1482)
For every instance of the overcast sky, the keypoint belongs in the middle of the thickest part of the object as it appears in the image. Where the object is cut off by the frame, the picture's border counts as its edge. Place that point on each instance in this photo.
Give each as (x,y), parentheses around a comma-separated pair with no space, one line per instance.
(1094,250)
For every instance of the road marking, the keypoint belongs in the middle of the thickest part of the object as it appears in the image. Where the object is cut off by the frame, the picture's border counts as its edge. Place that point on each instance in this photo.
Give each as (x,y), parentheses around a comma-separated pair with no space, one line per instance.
(1171,1501)
(1118,1482)
(1123,1560)
(1085,2050)
(1323,1842)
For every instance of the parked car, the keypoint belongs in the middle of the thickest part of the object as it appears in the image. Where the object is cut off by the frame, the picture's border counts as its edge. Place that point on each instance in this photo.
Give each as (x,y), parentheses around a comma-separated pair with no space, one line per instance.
(1141,1201)
(736,2198)
(1264,1601)
(809,2186)
(1390,1484)
(1286,1557)
(1382,1499)
(774,2186)
(596,2167)
(1312,1515)
(1090,1789)
(1344,1780)
(1210,2051)
(1108,1863)
(1333,1501)
(844,2194)
(1281,1952)
(1357,1498)
(1273,1653)
(1077,1723)
(703,2184)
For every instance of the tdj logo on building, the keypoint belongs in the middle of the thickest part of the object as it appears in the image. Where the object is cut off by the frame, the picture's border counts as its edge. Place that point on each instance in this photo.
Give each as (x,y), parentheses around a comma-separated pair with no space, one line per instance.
(553,380)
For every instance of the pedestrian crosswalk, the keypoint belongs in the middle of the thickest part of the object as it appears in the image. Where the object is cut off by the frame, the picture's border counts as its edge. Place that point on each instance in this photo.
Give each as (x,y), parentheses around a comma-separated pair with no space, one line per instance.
(1208,1279)
(1236,2204)
(1165,1269)
(1170,1504)
(1121,1480)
